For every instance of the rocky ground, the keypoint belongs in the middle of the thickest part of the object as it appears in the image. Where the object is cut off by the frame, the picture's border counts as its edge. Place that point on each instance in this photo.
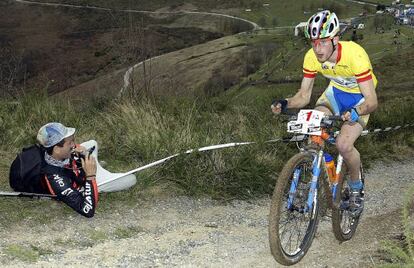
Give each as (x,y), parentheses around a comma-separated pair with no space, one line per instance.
(182,231)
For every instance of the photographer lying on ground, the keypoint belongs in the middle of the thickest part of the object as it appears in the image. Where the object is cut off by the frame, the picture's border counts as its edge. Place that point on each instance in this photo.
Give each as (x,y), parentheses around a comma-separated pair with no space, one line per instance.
(58,167)
(72,183)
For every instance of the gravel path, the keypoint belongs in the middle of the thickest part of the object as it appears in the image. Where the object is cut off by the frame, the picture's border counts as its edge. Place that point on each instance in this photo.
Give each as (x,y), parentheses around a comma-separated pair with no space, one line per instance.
(183,231)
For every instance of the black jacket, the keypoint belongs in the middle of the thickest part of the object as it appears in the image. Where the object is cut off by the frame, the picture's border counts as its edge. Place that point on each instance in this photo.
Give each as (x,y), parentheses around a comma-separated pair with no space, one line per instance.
(70,186)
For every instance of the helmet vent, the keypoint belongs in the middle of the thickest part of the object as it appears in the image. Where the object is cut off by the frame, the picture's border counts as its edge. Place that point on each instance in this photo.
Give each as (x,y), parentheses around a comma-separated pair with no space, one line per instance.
(322,25)
(311,20)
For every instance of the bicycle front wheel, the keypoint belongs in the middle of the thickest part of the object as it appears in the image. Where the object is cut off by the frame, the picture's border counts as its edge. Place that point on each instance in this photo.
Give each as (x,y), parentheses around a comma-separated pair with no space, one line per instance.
(292,224)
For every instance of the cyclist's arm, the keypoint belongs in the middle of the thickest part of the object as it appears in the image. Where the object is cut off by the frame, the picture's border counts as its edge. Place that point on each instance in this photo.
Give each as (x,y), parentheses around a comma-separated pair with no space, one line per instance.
(303,96)
(368,91)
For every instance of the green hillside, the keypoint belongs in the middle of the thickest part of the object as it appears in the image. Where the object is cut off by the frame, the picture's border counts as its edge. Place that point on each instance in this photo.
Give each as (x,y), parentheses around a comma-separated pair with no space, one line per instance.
(253,69)
(268,13)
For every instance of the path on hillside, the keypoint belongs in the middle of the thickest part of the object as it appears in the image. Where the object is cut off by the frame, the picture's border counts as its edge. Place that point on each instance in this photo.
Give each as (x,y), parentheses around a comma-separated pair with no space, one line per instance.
(363,2)
(253,24)
(182,231)
(127,75)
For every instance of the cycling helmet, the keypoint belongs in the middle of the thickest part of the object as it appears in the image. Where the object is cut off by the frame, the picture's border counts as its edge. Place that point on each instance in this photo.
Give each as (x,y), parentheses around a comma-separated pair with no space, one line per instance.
(322,25)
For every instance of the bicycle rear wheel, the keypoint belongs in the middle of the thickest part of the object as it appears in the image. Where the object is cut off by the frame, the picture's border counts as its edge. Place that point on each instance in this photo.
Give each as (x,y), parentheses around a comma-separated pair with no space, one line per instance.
(343,223)
(292,227)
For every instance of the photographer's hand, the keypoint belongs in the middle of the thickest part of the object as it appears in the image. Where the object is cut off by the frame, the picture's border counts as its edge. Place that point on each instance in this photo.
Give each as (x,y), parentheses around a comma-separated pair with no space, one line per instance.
(89,166)
(79,150)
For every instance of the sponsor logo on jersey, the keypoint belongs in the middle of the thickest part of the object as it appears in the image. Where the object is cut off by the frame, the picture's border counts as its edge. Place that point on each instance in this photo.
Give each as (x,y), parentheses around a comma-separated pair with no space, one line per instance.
(67,191)
(59,180)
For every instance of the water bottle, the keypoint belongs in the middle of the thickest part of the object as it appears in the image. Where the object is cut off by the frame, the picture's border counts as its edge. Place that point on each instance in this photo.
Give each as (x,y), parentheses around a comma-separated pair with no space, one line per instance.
(330,167)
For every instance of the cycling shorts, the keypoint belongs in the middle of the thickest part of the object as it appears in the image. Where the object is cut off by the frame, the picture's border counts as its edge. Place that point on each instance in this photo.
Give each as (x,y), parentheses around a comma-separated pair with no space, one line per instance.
(338,102)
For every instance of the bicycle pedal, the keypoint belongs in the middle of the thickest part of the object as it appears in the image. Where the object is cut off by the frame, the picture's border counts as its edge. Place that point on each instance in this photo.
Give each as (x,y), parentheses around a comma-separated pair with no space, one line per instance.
(344,205)
(326,217)
(355,214)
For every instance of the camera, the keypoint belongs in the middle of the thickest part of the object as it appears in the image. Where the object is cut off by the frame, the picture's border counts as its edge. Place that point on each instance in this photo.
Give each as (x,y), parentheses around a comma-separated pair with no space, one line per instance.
(90,150)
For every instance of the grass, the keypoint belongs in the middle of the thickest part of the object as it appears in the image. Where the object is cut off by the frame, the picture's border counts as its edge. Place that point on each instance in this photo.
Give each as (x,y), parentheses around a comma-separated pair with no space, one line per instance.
(28,254)
(126,232)
(401,253)
(135,131)
(191,124)
(94,236)
(132,132)
(98,236)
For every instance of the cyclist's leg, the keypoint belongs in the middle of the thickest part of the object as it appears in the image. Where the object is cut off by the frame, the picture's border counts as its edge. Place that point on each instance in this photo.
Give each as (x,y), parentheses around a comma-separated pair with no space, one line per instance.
(340,101)
(350,131)
(323,109)
(323,104)
(345,144)
(330,103)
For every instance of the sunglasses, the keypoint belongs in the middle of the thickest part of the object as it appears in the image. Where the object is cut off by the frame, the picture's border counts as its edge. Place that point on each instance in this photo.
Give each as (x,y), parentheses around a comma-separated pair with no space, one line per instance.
(321,42)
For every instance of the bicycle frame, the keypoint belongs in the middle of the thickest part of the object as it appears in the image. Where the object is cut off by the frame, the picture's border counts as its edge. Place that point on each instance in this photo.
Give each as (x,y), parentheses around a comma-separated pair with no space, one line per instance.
(296,207)
(316,171)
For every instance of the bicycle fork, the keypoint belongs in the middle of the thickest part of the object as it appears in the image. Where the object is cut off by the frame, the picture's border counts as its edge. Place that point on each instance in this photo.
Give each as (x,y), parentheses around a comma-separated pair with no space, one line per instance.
(316,171)
(313,188)
(312,195)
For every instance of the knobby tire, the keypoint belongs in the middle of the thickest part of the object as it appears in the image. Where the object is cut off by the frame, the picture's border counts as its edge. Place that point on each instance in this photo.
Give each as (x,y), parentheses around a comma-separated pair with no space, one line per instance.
(278,208)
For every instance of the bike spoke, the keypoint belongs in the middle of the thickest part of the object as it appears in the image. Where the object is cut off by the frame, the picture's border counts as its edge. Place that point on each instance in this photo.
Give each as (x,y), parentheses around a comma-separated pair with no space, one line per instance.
(293,224)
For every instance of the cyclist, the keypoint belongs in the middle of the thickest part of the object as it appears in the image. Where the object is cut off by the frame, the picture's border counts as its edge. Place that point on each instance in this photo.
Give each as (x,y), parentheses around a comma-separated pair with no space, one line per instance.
(350,93)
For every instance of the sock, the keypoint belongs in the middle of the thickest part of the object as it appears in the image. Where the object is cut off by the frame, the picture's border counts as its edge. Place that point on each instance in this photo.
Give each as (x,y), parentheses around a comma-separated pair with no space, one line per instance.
(355,185)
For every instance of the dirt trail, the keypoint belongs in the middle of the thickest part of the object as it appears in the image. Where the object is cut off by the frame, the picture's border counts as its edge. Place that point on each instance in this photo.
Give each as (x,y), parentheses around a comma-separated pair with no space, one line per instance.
(182,231)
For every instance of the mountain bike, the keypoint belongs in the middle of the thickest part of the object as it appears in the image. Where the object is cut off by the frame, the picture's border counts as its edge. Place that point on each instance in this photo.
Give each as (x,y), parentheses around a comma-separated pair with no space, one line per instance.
(305,186)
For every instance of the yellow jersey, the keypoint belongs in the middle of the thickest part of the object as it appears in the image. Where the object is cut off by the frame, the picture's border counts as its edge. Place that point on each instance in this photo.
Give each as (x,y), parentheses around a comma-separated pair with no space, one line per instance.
(352,67)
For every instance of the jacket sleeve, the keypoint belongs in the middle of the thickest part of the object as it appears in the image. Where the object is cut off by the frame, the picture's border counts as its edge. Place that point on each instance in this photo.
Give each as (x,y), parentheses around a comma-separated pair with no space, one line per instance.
(83,200)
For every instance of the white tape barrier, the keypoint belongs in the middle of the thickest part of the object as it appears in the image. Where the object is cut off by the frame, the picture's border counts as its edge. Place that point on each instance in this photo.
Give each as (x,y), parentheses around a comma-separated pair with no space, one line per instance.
(23,194)
(234,144)
(379,130)
(202,149)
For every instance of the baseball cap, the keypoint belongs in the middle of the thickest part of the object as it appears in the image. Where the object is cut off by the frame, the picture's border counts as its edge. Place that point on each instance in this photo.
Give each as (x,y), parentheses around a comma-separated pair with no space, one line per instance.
(52,133)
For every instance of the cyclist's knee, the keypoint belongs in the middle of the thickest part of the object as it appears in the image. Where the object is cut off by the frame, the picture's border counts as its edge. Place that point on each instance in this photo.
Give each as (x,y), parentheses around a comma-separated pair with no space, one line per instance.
(344,146)
(324,109)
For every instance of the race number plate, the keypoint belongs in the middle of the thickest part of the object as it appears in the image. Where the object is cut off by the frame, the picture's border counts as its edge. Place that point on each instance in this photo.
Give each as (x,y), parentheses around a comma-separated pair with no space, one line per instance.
(308,122)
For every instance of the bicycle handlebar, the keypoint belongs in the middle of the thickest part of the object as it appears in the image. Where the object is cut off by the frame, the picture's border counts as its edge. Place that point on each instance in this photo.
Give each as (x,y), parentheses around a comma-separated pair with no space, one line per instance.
(294,116)
(334,117)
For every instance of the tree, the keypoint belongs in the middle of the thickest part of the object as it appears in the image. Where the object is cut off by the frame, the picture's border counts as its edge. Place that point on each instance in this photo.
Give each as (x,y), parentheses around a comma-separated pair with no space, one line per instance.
(274,21)
(380,7)
(12,70)
(262,22)
(354,36)
(366,8)
(137,46)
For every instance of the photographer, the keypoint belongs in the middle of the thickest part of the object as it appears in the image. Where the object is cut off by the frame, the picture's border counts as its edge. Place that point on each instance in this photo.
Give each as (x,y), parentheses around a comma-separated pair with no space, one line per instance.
(70,172)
